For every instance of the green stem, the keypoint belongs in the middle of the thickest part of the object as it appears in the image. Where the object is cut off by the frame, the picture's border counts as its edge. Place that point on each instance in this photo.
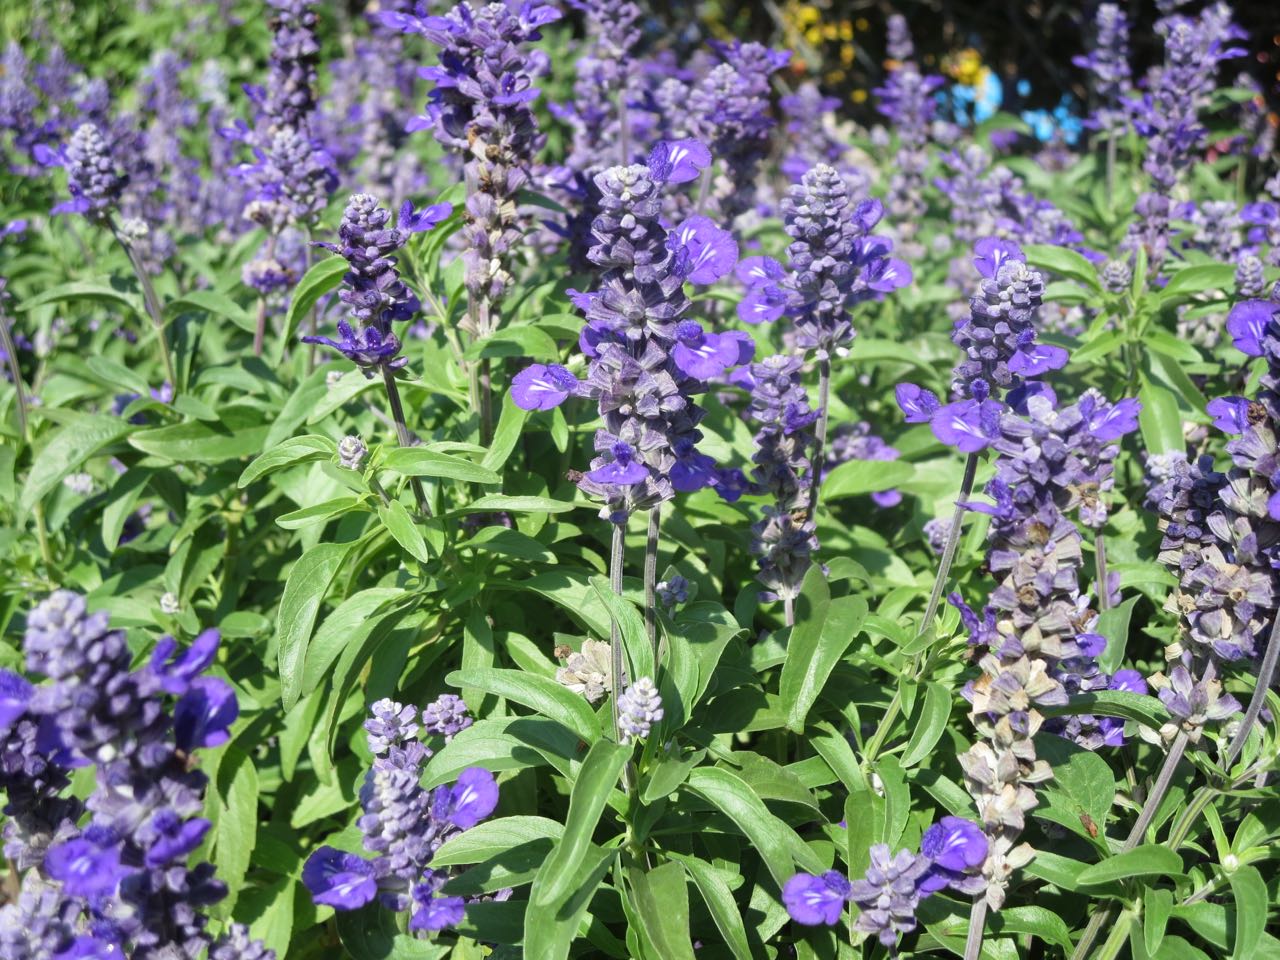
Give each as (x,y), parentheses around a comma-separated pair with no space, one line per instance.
(1100,560)
(616,555)
(402,435)
(152,303)
(260,329)
(1259,696)
(820,435)
(953,541)
(42,535)
(651,580)
(977,921)
(1116,940)
(11,351)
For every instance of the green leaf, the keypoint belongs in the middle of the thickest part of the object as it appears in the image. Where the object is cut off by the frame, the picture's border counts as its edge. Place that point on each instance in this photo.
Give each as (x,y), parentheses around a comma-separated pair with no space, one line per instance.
(324,276)
(1114,703)
(929,725)
(1162,341)
(70,447)
(1106,342)
(493,837)
(350,623)
(1198,279)
(1064,261)
(304,591)
(420,462)
(542,694)
(635,642)
(1251,903)
(661,898)
(1144,861)
(510,425)
(720,904)
(497,502)
(1159,420)
(293,451)
(239,433)
(823,632)
(123,497)
(856,477)
(83,290)
(370,934)
(1036,921)
(597,778)
(316,513)
(777,843)
(213,303)
(237,830)
(549,931)
(405,532)
(1157,904)
(520,341)
(1114,625)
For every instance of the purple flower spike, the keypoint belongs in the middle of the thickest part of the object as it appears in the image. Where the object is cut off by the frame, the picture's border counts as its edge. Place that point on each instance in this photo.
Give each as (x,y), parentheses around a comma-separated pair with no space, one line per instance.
(712,251)
(967,425)
(1114,422)
(340,880)
(1230,414)
(1128,681)
(541,387)
(472,798)
(15,692)
(204,714)
(85,867)
(424,219)
(763,304)
(175,677)
(623,470)
(1273,506)
(756,271)
(955,844)
(171,839)
(678,161)
(1247,323)
(813,901)
(703,356)
(1038,358)
(434,911)
(991,252)
(916,402)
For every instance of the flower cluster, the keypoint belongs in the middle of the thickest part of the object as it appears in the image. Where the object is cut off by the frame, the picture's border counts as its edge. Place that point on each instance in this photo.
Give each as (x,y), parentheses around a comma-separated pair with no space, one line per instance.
(604,84)
(730,113)
(121,881)
(1037,629)
(287,185)
(647,361)
(94,178)
(481,107)
(836,261)
(951,851)
(639,707)
(1168,117)
(907,102)
(1108,63)
(785,538)
(404,824)
(999,343)
(373,292)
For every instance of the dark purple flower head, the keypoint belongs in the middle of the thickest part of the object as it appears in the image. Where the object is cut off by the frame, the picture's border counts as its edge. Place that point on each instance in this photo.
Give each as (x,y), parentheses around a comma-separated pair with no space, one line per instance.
(15,694)
(916,402)
(814,900)
(88,866)
(94,178)
(344,881)
(472,798)
(678,161)
(1248,323)
(542,387)
(955,843)
(203,715)
(712,252)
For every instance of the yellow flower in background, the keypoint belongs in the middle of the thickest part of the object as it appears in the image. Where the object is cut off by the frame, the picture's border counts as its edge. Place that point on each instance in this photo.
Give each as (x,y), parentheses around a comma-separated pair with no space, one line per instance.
(858,96)
(966,67)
